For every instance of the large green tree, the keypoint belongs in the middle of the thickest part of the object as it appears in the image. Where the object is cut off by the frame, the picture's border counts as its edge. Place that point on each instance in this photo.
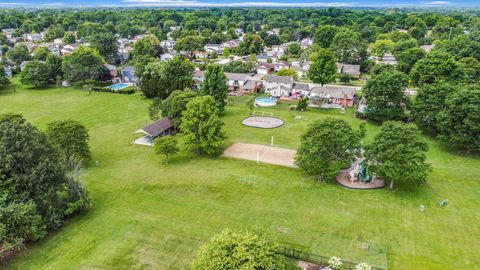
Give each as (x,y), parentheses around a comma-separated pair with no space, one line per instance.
(238,250)
(190,44)
(36,192)
(327,147)
(35,73)
(385,99)
(83,64)
(202,127)
(166,146)
(41,53)
(290,72)
(105,44)
(348,47)
(18,54)
(251,44)
(324,35)
(53,32)
(215,84)
(4,81)
(437,66)
(323,69)
(459,121)
(397,154)
(54,67)
(407,59)
(160,79)
(70,137)
(429,102)
(175,105)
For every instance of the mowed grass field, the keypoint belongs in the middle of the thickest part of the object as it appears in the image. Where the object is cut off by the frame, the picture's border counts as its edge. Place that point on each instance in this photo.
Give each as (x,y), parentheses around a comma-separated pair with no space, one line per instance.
(148,215)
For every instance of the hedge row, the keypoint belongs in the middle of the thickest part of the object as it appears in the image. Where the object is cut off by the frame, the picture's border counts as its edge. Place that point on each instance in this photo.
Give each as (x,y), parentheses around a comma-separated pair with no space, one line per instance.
(127,91)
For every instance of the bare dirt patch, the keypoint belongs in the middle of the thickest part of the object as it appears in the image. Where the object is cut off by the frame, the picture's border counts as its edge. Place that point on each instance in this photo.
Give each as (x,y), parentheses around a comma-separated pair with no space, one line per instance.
(267,154)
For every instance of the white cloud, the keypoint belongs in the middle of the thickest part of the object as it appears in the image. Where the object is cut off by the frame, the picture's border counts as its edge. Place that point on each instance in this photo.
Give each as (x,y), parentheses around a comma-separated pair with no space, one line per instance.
(183,3)
(13,4)
(437,3)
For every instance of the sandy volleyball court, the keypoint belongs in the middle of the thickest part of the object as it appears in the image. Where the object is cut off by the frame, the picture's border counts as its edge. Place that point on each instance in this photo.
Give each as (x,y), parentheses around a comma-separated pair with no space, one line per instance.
(267,154)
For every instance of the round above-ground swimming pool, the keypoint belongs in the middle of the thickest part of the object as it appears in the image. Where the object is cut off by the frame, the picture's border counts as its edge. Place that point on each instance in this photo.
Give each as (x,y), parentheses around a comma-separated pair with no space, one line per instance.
(265,102)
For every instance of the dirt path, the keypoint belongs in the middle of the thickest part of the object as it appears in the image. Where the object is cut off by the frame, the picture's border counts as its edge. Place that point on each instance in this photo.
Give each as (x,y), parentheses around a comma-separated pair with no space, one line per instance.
(268,154)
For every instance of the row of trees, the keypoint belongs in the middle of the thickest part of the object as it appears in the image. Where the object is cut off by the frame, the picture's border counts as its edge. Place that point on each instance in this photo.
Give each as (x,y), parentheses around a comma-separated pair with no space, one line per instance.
(396,154)
(38,190)
(83,64)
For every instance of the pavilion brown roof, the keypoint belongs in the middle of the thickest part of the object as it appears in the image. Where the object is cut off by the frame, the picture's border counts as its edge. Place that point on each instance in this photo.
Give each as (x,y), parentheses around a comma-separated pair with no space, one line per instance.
(158,127)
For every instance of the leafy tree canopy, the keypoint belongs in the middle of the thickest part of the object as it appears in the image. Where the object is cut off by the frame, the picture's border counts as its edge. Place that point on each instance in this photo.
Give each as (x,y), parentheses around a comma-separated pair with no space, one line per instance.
(215,85)
(397,154)
(202,127)
(384,96)
(238,250)
(328,146)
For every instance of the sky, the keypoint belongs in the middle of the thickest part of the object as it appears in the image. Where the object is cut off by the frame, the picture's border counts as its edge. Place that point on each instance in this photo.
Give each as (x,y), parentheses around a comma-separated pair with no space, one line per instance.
(237,3)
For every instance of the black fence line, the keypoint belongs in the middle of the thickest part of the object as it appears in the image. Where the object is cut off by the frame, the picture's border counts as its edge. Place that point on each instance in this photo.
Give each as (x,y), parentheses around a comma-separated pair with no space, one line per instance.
(315,258)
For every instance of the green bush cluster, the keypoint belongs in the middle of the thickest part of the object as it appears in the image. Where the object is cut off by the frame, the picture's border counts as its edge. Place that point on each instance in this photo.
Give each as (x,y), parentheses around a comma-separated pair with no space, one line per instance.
(126,91)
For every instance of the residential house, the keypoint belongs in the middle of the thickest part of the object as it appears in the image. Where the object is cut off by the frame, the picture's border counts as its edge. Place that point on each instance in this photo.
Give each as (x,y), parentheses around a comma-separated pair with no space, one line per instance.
(128,74)
(214,48)
(231,43)
(276,51)
(427,48)
(139,37)
(274,31)
(33,37)
(263,58)
(236,80)
(112,70)
(278,86)
(300,89)
(9,33)
(239,32)
(353,70)
(331,96)
(387,59)
(306,42)
(167,44)
(124,42)
(198,78)
(168,56)
(23,65)
(280,65)
(238,83)
(265,68)
(58,41)
(200,54)
(68,49)
(8,71)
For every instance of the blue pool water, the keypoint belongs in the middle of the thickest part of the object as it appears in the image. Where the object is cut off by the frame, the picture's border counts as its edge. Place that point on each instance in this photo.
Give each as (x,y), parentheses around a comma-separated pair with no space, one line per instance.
(265,102)
(119,86)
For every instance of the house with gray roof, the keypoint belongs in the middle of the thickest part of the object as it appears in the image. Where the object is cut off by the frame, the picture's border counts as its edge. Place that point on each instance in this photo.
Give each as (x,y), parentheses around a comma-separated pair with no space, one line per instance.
(128,74)
(353,70)
(328,96)
(278,86)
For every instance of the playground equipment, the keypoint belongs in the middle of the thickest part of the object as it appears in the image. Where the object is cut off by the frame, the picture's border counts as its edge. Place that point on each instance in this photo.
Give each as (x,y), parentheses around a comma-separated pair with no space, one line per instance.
(361,173)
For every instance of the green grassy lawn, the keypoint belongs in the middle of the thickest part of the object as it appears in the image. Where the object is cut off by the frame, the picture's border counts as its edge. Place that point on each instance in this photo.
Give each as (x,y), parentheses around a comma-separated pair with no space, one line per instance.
(148,215)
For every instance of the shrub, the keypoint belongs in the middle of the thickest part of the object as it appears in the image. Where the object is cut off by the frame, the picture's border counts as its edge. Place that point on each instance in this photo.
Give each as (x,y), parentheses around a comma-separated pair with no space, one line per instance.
(335,263)
(363,266)
(126,91)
